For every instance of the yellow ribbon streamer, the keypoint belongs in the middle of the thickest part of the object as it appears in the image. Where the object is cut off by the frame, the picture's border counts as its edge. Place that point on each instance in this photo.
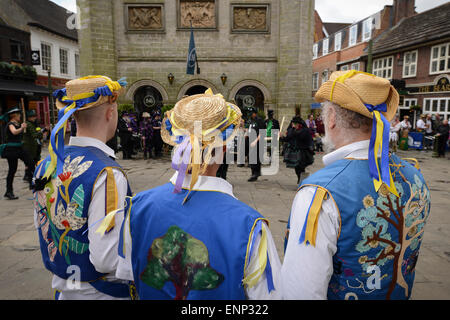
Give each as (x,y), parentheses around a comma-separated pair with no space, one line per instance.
(107,221)
(111,195)
(252,279)
(313,216)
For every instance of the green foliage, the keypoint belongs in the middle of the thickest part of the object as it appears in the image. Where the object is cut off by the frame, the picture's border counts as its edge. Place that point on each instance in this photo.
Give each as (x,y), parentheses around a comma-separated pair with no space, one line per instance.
(125,107)
(18,71)
(177,256)
(262,114)
(166,108)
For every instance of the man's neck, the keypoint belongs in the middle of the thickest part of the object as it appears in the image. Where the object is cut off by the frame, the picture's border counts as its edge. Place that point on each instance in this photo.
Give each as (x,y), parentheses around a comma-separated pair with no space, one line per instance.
(89,134)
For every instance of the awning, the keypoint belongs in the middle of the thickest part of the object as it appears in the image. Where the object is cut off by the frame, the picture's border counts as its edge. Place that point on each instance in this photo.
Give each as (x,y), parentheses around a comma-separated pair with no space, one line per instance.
(316,105)
(26,88)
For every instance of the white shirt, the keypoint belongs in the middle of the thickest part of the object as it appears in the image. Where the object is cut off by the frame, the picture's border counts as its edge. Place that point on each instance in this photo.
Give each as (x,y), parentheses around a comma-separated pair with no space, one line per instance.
(405,125)
(420,124)
(103,249)
(307,270)
(429,125)
(260,290)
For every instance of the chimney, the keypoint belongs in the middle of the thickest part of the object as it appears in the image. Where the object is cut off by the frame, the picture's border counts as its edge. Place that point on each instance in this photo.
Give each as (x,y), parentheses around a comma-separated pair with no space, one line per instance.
(403,9)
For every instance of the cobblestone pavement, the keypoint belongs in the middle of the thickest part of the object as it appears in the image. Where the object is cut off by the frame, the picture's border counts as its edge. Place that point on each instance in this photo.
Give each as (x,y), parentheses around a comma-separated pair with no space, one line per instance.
(22,275)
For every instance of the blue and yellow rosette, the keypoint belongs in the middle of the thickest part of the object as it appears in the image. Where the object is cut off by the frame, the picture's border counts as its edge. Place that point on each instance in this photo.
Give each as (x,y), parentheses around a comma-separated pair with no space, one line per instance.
(73,104)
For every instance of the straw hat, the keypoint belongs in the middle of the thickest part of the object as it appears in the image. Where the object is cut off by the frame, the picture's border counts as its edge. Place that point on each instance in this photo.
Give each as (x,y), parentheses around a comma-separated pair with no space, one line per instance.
(86,85)
(146,115)
(352,90)
(211,110)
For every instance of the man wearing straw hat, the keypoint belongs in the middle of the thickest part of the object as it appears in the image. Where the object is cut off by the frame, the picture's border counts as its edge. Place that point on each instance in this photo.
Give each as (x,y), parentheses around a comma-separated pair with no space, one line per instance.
(191,238)
(78,185)
(356,226)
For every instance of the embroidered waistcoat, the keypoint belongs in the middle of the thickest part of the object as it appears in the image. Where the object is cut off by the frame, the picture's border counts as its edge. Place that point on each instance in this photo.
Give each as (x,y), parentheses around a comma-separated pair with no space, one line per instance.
(192,251)
(62,209)
(380,234)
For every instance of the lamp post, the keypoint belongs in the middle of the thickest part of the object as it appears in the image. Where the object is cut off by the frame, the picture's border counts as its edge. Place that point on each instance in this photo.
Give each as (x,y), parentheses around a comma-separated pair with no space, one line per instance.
(224,78)
(171,77)
(50,98)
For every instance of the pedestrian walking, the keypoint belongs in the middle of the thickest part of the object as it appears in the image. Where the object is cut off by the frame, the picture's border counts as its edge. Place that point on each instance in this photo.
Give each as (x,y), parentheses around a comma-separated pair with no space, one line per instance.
(13,150)
(256,124)
(146,132)
(442,136)
(299,152)
(32,141)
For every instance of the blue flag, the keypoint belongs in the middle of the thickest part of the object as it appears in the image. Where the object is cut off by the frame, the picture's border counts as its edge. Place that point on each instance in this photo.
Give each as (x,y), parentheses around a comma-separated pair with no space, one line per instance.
(192,55)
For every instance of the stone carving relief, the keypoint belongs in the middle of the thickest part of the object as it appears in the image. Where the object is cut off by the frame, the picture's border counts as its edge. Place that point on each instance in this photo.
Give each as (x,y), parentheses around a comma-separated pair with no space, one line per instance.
(201,13)
(145,18)
(250,18)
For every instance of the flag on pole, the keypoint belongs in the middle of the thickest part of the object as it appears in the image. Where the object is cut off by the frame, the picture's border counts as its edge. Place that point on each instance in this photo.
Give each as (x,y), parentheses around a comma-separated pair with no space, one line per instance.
(192,55)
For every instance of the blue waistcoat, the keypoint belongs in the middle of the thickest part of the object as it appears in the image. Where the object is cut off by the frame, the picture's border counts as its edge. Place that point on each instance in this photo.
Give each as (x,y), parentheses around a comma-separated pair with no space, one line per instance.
(193,251)
(380,234)
(63,215)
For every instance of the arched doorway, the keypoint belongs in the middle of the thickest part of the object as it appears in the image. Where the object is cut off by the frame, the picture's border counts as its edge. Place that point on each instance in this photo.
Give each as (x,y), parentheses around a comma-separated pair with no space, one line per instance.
(249,97)
(198,89)
(147,99)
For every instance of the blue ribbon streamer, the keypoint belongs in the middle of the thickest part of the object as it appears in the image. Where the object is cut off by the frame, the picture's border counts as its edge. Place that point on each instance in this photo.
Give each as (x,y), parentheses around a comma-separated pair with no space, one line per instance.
(57,133)
(384,164)
(269,276)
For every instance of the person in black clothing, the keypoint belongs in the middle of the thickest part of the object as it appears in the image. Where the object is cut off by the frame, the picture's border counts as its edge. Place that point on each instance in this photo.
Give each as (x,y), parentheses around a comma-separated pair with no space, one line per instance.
(14,151)
(443,133)
(299,153)
(156,140)
(125,135)
(255,125)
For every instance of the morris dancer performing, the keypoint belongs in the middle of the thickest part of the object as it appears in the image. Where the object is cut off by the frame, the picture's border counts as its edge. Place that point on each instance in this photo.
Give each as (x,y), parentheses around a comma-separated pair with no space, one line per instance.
(75,187)
(191,238)
(356,226)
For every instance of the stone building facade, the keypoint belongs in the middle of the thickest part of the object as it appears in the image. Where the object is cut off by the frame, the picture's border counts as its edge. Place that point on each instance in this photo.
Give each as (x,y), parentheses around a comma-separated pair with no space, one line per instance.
(255,52)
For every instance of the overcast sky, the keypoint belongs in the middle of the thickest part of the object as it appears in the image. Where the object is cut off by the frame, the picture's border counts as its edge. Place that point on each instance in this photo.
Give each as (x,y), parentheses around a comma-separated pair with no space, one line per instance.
(333,10)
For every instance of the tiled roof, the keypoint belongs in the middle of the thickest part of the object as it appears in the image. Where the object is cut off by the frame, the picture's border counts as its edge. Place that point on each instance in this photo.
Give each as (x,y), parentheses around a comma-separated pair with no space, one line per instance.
(49,16)
(427,26)
(332,27)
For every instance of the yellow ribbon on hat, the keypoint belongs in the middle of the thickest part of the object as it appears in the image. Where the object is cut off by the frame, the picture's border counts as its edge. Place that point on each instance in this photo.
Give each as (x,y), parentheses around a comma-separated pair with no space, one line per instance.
(344,77)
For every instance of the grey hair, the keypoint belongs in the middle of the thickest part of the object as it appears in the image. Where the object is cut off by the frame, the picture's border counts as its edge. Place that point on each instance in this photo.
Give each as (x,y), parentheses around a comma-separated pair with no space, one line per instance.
(347,119)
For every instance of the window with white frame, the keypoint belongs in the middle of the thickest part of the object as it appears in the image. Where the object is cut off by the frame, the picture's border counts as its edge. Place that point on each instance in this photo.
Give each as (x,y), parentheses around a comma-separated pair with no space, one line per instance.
(46,53)
(64,61)
(315,50)
(77,64)
(325,46)
(407,103)
(338,41)
(383,67)
(440,58)
(344,68)
(367,29)
(437,105)
(410,64)
(353,35)
(355,66)
(315,81)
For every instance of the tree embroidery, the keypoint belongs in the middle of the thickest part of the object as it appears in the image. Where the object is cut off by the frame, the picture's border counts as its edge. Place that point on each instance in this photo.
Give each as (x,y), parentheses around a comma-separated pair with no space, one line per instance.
(408,218)
(179,258)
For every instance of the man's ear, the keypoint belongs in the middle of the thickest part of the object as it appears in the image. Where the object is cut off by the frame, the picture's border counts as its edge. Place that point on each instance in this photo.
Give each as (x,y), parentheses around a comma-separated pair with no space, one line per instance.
(332,118)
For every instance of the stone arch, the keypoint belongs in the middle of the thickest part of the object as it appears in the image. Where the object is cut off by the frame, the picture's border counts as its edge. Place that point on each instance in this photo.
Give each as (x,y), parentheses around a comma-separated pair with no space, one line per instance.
(196,82)
(255,83)
(146,82)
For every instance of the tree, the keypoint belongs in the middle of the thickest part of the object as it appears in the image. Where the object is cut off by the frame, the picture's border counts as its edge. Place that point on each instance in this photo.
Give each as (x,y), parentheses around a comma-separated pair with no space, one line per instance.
(408,218)
(179,258)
